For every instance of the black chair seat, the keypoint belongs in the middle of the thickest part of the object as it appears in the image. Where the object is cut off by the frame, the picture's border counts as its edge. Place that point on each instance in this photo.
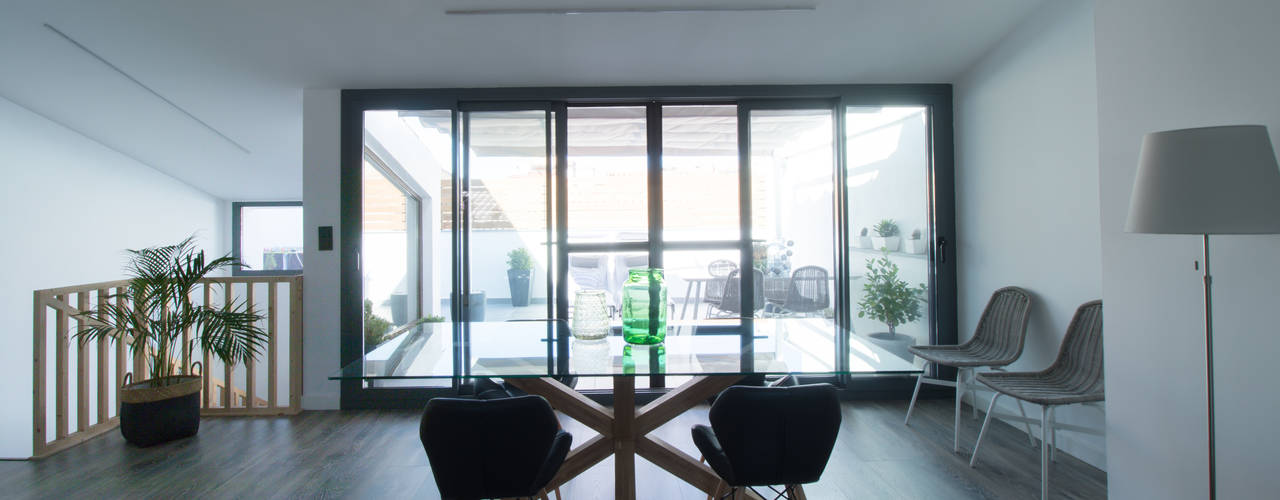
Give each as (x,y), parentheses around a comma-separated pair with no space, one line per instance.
(762,436)
(494,448)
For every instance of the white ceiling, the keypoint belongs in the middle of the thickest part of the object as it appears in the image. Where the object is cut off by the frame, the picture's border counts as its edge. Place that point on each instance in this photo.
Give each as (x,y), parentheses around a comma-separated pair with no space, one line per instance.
(240,65)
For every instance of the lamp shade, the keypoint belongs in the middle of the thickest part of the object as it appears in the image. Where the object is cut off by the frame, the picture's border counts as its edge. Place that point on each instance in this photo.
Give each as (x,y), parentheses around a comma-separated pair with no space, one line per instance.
(1211,180)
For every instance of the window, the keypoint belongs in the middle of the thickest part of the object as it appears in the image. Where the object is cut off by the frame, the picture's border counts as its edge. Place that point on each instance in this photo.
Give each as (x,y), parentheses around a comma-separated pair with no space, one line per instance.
(784,183)
(266,237)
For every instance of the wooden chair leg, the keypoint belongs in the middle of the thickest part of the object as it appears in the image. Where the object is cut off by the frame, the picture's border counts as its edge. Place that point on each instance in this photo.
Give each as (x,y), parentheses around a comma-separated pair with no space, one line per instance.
(798,491)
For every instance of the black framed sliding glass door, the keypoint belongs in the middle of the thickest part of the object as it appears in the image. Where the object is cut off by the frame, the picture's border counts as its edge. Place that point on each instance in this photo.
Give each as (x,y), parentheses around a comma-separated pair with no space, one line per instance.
(525,197)
(507,250)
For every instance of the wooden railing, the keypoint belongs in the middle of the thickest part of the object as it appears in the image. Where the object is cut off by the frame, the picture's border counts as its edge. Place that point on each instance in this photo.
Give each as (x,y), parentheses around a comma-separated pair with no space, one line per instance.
(87,376)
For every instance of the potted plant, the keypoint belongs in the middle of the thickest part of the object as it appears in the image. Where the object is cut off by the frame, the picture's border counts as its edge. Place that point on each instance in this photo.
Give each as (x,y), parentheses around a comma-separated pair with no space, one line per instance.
(889,299)
(918,245)
(886,237)
(864,240)
(519,271)
(376,328)
(151,315)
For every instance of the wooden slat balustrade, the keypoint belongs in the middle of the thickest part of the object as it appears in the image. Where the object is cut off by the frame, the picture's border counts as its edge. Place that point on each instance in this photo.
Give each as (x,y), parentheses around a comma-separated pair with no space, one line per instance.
(100,366)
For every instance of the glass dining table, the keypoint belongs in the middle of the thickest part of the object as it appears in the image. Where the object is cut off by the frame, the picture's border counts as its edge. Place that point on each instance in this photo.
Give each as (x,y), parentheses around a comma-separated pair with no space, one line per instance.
(528,356)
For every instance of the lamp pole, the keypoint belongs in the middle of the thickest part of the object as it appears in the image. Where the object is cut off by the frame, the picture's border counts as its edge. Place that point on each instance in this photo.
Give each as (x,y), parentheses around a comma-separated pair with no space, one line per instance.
(1208,350)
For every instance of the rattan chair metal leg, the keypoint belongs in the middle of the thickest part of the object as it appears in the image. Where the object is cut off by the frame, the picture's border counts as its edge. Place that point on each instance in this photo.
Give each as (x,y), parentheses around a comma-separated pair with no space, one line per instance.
(1053,436)
(919,380)
(986,422)
(959,398)
(1046,414)
(1026,422)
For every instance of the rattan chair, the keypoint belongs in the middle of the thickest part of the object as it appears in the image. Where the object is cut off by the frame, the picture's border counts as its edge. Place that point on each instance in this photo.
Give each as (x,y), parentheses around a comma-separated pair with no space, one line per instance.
(731,303)
(1075,377)
(719,270)
(807,292)
(996,343)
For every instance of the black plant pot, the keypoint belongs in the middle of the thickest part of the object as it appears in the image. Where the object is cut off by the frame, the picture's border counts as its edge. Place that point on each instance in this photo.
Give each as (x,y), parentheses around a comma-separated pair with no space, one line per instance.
(151,414)
(518,279)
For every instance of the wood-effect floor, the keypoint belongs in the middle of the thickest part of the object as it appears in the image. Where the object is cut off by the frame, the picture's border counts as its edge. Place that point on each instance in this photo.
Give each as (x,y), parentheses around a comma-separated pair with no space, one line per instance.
(376,454)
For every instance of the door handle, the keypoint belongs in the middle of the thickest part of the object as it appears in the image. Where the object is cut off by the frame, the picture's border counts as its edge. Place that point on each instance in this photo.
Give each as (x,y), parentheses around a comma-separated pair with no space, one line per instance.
(942,250)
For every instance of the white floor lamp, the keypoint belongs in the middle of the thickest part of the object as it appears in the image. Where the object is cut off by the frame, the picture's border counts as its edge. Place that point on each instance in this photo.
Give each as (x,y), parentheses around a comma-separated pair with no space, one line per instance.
(1212,180)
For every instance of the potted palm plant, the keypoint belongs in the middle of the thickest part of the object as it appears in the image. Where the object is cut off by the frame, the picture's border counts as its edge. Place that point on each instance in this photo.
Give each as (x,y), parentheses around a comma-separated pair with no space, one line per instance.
(886,237)
(150,316)
(519,276)
(890,300)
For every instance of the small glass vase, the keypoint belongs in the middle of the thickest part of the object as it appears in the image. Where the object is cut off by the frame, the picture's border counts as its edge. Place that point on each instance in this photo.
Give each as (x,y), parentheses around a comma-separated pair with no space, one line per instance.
(590,315)
(644,307)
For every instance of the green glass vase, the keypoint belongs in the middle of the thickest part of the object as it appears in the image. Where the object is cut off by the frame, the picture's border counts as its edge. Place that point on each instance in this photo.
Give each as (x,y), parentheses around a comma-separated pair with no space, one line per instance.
(644,307)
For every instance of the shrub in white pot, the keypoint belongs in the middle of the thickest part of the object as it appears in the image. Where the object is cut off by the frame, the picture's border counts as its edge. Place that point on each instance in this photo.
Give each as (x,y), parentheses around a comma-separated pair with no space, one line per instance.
(917,244)
(886,237)
(889,299)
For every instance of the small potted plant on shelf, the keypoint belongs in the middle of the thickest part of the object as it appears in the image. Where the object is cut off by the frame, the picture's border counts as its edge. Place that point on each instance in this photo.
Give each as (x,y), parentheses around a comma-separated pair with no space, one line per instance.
(917,243)
(886,237)
(519,273)
(890,300)
(151,315)
(864,240)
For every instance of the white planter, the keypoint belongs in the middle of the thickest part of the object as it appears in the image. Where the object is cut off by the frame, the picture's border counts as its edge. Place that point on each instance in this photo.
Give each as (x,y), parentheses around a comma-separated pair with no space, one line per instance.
(918,246)
(889,243)
(864,242)
(895,343)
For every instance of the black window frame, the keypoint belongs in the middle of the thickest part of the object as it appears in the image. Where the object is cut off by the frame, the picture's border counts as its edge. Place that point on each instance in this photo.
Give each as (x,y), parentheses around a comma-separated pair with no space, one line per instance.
(940,186)
(236,218)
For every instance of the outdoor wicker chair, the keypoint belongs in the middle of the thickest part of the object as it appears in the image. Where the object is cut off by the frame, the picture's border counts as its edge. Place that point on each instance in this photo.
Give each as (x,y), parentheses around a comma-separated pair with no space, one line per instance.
(731,303)
(807,292)
(1075,377)
(996,343)
(719,270)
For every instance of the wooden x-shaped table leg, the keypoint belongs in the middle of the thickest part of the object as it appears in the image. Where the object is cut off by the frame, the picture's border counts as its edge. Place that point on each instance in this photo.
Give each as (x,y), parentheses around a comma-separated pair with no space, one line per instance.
(623,429)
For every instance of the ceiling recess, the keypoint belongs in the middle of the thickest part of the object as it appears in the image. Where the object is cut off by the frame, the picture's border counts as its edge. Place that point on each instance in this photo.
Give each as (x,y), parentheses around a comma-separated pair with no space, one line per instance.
(144,86)
(672,9)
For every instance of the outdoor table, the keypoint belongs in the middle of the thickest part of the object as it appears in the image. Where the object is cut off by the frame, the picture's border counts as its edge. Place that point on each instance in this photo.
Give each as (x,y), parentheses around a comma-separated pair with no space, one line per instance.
(525,355)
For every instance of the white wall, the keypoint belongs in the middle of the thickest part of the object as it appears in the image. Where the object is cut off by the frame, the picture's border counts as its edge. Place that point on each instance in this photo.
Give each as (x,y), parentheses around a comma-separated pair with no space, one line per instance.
(1027,188)
(321,109)
(70,208)
(1166,64)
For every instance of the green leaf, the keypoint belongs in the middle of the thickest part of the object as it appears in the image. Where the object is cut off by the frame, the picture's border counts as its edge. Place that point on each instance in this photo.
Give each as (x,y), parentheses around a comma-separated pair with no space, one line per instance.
(156,308)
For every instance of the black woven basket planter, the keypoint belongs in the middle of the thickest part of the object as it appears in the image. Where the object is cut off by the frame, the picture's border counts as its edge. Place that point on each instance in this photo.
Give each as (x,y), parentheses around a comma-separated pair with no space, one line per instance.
(160,410)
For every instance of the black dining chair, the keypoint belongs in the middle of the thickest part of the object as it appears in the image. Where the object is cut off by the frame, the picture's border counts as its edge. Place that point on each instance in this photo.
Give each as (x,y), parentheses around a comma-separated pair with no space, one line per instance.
(495,448)
(770,436)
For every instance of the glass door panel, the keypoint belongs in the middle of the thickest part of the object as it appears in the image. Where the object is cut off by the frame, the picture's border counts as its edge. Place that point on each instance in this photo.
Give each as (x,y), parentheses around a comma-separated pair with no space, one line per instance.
(793,227)
(508,236)
(406,255)
(890,227)
(700,173)
(607,175)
